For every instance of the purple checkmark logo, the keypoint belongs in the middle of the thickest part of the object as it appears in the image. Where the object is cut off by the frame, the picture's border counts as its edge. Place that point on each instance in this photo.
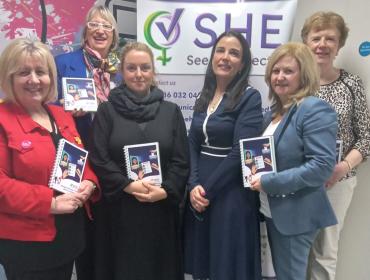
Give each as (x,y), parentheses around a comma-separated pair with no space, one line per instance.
(170,32)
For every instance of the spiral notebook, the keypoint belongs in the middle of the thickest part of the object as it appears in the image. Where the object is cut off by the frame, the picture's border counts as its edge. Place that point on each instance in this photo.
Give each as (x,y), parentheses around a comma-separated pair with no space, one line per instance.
(68,168)
(257,156)
(79,93)
(143,162)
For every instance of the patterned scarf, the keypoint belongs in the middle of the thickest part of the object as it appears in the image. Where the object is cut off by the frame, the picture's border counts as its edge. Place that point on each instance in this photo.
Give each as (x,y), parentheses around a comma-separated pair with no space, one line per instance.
(101,70)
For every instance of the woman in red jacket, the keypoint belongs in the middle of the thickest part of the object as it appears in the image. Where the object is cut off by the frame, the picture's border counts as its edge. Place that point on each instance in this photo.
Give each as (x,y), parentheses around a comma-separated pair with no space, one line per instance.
(41,230)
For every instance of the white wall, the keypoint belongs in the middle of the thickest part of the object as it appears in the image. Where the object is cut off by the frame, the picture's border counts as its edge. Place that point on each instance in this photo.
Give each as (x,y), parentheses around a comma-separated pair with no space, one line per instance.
(354,252)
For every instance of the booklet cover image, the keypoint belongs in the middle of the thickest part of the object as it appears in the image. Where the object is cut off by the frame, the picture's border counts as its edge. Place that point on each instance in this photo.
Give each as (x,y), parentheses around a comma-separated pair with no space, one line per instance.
(143,162)
(79,93)
(257,157)
(68,168)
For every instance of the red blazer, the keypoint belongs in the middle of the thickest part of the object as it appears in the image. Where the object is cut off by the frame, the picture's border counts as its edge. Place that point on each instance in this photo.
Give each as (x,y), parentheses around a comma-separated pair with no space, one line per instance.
(27,156)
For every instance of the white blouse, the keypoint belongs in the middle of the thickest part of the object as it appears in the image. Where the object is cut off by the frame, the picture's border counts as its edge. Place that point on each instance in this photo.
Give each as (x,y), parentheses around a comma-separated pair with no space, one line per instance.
(265,207)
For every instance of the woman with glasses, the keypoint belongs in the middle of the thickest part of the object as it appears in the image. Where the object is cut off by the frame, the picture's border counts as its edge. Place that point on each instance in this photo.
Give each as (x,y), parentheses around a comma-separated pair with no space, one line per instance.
(144,217)
(97,59)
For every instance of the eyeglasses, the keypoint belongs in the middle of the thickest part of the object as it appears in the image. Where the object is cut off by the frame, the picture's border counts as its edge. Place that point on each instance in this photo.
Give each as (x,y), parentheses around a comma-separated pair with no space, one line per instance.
(95,25)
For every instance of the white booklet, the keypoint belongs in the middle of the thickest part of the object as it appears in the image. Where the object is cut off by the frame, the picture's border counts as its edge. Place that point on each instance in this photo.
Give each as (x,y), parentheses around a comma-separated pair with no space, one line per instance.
(79,93)
(339,150)
(68,167)
(257,157)
(143,162)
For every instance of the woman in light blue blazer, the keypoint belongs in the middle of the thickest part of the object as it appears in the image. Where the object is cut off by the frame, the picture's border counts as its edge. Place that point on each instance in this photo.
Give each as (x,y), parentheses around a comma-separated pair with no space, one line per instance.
(293,199)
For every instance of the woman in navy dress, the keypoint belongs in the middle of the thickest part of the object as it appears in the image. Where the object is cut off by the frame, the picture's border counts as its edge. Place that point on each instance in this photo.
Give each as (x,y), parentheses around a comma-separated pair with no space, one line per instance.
(221,218)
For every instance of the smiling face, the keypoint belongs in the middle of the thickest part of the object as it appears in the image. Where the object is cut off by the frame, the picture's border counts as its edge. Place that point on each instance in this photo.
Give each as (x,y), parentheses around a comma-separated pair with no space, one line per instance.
(99,39)
(31,83)
(138,71)
(227,59)
(285,78)
(324,44)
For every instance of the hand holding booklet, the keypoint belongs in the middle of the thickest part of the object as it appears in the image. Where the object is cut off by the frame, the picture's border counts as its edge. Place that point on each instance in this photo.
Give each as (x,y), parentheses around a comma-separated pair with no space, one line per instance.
(79,93)
(68,168)
(143,162)
(257,157)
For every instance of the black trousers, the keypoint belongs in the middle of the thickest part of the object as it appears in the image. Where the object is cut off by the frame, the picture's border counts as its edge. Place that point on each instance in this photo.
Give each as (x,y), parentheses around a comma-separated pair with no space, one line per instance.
(63,272)
(84,262)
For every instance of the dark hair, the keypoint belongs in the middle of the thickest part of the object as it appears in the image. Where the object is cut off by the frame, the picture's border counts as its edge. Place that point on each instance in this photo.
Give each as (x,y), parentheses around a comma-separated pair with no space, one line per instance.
(236,87)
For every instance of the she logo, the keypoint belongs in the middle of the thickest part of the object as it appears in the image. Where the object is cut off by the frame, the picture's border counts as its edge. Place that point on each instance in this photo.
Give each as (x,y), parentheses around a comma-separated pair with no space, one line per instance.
(169,32)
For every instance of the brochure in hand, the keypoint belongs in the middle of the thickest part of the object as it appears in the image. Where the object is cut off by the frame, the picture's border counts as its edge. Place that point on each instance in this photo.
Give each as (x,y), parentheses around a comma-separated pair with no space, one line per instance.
(257,157)
(339,150)
(68,168)
(143,162)
(79,93)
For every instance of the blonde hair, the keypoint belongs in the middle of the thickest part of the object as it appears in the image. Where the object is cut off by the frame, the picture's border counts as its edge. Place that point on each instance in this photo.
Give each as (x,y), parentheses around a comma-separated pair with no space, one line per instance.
(12,59)
(324,20)
(137,46)
(309,74)
(105,14)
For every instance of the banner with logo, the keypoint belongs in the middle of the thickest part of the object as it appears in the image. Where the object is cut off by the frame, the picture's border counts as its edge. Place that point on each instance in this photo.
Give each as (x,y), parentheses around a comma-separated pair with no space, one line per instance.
(181,33)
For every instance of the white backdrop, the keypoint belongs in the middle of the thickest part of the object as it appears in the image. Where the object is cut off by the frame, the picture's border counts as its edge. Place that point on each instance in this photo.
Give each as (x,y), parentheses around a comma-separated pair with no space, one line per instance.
(354,251)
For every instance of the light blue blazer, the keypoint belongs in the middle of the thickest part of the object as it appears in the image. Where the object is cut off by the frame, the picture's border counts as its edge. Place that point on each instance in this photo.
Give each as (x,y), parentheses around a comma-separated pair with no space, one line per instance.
(305,143)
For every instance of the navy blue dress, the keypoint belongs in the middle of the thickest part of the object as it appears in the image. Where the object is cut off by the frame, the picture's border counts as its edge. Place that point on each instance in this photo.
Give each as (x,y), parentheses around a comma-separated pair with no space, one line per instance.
(223,241)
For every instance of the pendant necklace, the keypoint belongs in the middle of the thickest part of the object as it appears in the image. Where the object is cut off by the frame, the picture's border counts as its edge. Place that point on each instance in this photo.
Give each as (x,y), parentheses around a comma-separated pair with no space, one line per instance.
(213,105)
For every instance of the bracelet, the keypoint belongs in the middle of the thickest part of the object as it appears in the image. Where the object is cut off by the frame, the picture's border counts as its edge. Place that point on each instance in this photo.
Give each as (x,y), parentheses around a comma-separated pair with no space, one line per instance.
(348,164)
